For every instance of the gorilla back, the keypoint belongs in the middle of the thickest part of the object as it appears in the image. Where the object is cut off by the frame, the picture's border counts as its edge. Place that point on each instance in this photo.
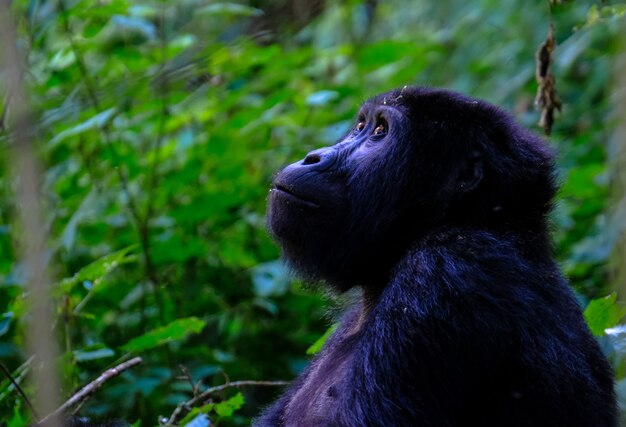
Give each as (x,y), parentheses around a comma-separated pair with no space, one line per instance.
(436,205)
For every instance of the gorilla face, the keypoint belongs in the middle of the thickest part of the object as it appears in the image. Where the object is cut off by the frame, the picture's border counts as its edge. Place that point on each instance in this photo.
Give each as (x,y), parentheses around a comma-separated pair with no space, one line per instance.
(416,159)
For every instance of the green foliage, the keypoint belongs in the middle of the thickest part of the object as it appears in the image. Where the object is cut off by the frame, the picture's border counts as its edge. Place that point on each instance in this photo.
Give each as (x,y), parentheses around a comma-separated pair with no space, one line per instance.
(176,330)
(160,124)
(603,313)
(97,270)
(223,409)
(317,345)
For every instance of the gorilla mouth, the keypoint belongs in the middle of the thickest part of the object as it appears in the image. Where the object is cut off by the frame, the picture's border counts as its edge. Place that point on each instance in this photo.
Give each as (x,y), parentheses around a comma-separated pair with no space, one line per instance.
(293,196)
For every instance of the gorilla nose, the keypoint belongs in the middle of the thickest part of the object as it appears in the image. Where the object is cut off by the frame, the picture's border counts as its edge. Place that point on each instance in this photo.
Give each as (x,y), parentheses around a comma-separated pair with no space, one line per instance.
(320,159)
(312,158)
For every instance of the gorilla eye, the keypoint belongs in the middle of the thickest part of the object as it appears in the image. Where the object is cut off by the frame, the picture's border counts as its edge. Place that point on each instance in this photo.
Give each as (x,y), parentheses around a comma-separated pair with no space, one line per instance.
(380,130)
(360,126)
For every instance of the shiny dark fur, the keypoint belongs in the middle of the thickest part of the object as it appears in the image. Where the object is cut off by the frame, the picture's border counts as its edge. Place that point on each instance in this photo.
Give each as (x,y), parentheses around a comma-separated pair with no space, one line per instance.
(465,318)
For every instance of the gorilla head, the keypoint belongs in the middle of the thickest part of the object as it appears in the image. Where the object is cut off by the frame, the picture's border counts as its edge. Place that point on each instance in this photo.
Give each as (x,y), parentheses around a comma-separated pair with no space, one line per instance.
(435,205)
(416,159)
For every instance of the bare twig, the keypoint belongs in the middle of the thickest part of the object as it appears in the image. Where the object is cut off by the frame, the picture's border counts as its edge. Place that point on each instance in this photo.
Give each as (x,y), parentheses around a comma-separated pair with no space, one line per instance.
(33,235)
(7,374)
(212,390)
(225,375)
(92,387)
(547,97)
(187,376)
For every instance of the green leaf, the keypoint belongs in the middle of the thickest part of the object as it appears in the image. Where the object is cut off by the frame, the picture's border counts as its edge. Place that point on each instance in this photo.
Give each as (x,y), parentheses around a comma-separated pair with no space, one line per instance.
(100,268)
(603,313)
(197,414)
(89,207)
(95,122)
(228,407)
(18,420)
(582,181)
(197,420)
(225,409)
(383,53)
(62,59)
(270,279)
(596,15)
(175,331)
(85,355)
(317,345)
(321,98)
(5,322)
(230,9)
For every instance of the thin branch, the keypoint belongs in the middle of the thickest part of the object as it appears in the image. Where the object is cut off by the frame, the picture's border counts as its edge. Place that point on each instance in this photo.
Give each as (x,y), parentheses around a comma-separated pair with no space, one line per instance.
(212,390)
(7,374)
(144,228)
(163,91)
(187,376)
(85,392)
(22,371)
(91,93)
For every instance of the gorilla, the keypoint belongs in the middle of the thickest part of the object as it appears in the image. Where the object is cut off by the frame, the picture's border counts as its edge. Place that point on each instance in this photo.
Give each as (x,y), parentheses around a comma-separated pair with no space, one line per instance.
(436,206)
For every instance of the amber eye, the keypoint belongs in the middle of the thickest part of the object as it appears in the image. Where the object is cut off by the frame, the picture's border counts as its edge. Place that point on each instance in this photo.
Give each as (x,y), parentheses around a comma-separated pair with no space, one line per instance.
(360,126)
(381,129)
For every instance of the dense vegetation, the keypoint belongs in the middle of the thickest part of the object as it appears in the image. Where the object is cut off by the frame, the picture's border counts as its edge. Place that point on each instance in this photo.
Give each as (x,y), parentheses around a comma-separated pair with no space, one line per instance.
(159,125)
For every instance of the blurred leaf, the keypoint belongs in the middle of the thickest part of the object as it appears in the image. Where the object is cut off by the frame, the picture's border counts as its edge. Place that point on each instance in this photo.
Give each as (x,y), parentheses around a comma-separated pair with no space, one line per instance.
(62,59)
(229,9)
(270,279)
(175,331)
(86,355)
(597,13)
(225,409)
(88,208)
(133,28)
(5,322)
(197,420)
(603,313)
(18,420)
(317,345)
(582,181)
(100,268)
(95,122)
(385,52)
(321,98)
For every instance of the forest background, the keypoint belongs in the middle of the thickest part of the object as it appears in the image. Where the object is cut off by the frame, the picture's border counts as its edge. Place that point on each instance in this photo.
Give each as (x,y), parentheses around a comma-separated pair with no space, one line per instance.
(157,126)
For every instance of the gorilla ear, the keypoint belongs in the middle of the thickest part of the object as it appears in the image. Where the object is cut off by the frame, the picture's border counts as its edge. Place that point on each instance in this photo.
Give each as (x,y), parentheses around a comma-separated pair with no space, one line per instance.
(472,173)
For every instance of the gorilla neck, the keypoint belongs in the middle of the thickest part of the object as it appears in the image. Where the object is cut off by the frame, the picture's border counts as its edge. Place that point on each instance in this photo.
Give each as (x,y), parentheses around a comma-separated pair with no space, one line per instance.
(373,271)
(371,264)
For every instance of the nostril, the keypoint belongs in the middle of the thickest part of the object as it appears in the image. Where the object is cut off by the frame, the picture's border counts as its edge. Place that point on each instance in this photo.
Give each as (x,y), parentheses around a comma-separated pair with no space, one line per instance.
(311,159)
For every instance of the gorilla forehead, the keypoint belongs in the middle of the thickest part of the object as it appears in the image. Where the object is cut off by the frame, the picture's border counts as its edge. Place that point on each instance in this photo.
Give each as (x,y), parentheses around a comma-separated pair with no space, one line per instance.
(411,100)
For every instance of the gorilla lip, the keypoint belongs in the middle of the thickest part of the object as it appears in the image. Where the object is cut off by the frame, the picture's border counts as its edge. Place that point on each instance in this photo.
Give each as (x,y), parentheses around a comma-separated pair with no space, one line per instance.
(291,195)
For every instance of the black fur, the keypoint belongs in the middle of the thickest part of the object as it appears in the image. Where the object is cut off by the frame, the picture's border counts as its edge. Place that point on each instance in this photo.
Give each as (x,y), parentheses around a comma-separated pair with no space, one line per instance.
(465,318)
